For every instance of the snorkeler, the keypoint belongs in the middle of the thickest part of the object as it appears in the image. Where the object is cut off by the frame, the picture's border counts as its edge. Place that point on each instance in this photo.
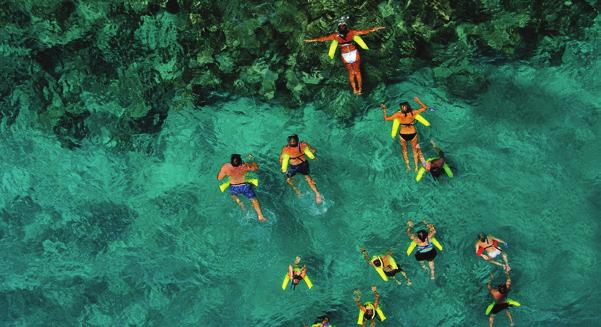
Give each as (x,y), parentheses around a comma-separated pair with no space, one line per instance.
(407,117)
(295,274)
(490,245)
(347,38)
(436,166)
(323,321)
(386,266)
(501,301)
(368,311)
(236,170)
(425,243)
(294,160)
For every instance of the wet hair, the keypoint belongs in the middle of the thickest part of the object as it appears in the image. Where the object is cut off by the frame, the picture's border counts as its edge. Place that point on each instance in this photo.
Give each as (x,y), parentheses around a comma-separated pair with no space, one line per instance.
(405,104)
(293,138)
(377,263)
(482,237)
(422,235)
(502,289)
(236,160)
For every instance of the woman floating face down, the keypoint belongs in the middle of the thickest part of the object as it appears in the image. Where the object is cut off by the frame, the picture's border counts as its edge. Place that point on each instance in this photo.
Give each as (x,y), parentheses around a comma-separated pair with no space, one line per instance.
(408,133)
(346,39)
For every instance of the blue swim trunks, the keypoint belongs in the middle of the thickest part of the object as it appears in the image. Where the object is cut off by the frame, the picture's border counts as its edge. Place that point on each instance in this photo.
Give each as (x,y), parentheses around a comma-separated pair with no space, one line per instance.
(243,189)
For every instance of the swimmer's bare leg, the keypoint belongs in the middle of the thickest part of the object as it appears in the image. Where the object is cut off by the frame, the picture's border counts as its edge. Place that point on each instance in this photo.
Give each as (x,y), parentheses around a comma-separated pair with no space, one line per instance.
(357,70)
(431,263)
(351,77)
(421,263)
(405,155)
(491,319)
(239,202)
(312,185)
(416,152)
(372,323)
(294,188)
(257,206)
(509,316)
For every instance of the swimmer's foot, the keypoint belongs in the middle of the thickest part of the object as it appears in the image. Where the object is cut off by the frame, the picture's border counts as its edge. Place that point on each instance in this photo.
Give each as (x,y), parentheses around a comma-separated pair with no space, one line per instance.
(318,198)
(507,268)
(263,219)
(432,277)
(298,193)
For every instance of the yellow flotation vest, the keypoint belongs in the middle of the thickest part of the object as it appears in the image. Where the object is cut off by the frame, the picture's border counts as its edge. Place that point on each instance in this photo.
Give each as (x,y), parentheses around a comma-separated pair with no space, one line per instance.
(253,181)
(368,305)
(286,158)
(396,123)
(412,245)
(296,269)
(509,301)
(380,269)
(422,170)
(334,45)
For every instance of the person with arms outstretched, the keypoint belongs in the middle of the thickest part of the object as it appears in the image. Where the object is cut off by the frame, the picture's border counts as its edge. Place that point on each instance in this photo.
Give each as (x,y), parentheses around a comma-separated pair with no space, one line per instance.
(501,301)
(368,311)
(346,38)
(236,170)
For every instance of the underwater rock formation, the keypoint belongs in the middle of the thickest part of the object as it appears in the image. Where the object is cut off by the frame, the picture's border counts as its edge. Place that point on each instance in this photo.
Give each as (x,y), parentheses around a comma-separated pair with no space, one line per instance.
(67,61)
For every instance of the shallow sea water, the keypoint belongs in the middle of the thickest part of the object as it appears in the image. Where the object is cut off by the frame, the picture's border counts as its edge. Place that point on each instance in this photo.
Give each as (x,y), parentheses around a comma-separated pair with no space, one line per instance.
(100,238)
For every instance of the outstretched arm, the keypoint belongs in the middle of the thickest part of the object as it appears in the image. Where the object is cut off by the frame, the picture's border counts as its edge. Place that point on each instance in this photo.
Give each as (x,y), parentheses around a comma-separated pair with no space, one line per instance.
(221,174)
(367,31)
(431,230)
(252,166)
(377,301)
(383,106)
(423,106)
(496,238)
(410,230)
(437,149)
(322,38)
(365,255)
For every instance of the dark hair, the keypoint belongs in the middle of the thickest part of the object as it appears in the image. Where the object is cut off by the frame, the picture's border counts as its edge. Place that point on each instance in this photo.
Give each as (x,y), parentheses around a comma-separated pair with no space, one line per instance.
(377,263)
(293,137)
(482,237)
(236,160)
(422,235)
(408,107)
(502,289)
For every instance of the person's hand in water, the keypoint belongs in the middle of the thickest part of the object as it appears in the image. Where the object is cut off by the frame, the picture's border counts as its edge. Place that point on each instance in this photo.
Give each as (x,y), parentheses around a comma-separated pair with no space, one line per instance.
(378,28)
(373,289)
(428,166)
(410,223)
(383,106)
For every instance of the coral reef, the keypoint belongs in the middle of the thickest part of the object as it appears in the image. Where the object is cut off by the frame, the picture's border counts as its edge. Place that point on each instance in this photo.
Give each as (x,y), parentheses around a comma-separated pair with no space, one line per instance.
(68,62)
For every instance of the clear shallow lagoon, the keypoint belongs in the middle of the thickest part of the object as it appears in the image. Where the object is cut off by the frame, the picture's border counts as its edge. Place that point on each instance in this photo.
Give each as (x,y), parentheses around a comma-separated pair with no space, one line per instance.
(99,237)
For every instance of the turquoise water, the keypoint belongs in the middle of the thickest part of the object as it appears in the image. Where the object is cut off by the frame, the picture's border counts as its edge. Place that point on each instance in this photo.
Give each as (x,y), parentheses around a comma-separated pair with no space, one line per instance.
(100,237)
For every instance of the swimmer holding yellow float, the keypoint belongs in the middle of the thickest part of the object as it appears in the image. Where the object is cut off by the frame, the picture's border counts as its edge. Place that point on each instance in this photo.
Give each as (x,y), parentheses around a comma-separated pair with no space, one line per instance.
(385,266)
(238,184)
(424,242)
(293,160)
(406,118)
(369,311)
(295,274)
